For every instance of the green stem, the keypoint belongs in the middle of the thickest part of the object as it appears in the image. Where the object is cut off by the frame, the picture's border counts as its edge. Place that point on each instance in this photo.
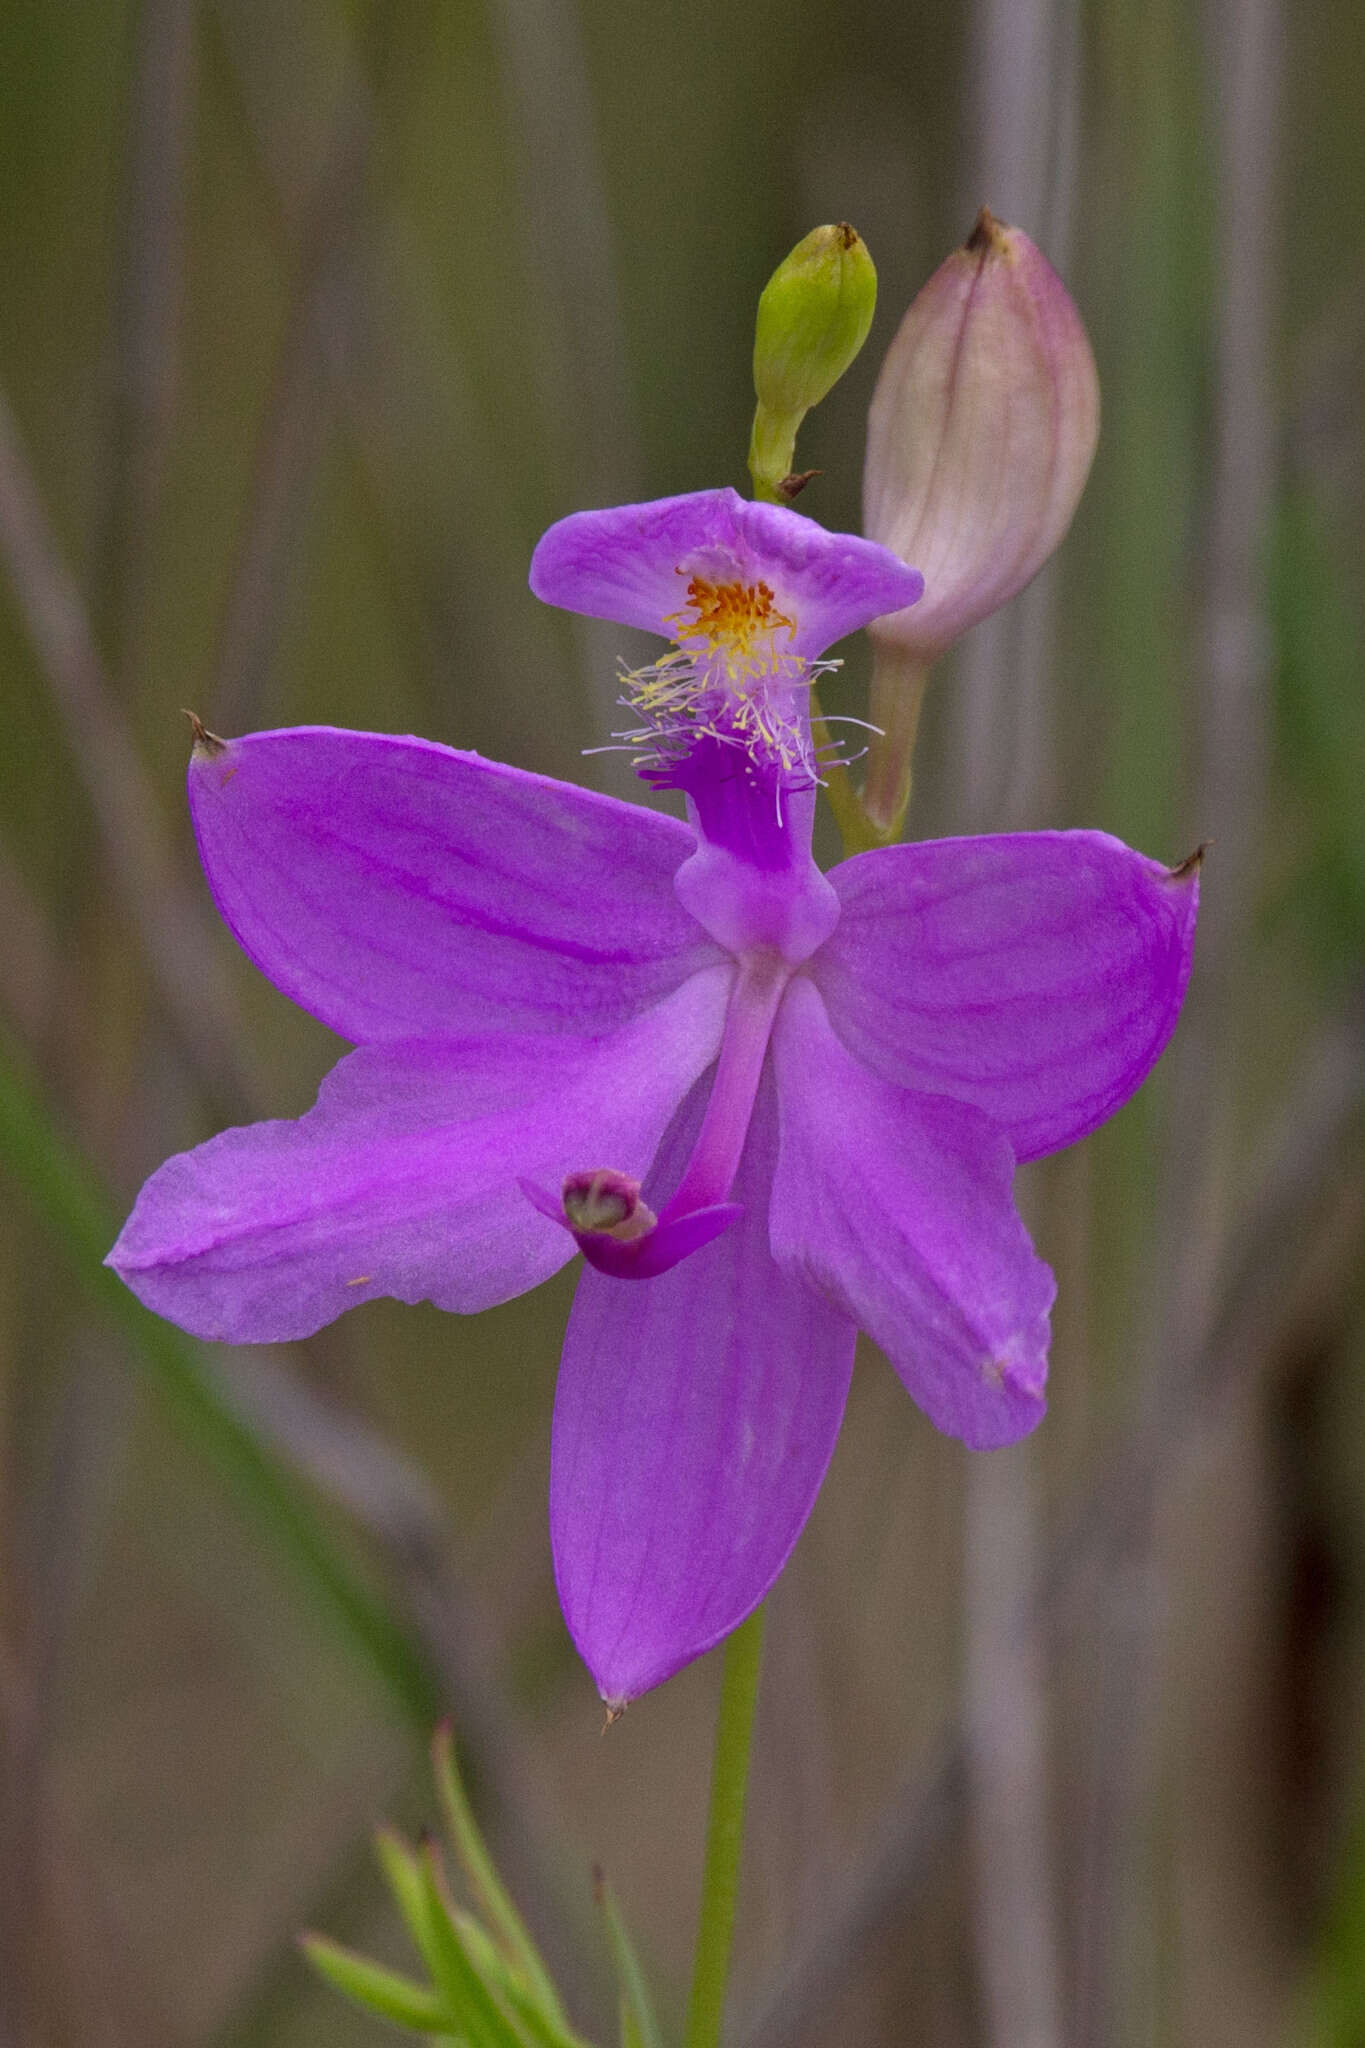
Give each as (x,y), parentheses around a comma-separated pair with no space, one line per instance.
(876,815)
(838,783)
(725,1832)
(772,452)
(894,705)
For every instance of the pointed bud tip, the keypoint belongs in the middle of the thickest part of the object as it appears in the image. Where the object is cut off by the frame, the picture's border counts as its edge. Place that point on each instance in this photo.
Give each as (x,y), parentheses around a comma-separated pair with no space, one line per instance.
(990,236)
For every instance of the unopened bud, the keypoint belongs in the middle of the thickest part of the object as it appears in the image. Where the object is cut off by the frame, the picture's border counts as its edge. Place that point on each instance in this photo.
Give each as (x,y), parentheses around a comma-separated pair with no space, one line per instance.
(813,318)
(981,434)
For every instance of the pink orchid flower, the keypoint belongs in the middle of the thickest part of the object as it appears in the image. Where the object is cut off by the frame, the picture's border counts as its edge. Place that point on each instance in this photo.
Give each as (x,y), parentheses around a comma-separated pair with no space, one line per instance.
(771,1106)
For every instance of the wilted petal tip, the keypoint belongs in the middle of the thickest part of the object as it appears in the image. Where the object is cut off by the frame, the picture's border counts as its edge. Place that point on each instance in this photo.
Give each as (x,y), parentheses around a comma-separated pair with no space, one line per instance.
(989,235)
(1188,869)
(204,741)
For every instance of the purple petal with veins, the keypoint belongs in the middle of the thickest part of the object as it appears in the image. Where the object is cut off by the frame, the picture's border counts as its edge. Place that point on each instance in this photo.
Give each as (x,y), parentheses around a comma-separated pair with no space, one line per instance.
(398,889)
(1037,976)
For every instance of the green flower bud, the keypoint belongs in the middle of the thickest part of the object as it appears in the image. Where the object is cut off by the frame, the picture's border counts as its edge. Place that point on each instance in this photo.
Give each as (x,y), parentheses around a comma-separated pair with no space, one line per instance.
(813,318)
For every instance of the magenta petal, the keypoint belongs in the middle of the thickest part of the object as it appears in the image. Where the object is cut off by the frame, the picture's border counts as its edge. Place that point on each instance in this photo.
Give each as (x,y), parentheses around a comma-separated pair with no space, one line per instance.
(633,563)
(694,1419)
(404,1179)
(398,889)
(1037,975)
(899,1207)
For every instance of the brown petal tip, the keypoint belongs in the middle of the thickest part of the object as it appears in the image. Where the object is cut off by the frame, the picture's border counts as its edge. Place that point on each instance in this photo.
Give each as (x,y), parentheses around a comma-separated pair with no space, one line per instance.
(1191,863)
(205,742)
(989,236)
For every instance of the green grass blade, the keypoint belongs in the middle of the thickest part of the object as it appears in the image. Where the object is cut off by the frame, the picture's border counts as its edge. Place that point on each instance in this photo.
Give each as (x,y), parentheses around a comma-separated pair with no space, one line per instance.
(1334,2004)
(639,2027)
(403,1875)
(466,1995)
(77,1212)
(407,1878)
(505,1924)
(378,1990)
(545,2030)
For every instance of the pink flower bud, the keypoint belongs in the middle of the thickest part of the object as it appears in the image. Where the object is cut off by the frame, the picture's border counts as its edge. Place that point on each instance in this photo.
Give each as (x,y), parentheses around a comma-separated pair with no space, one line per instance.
(981,434)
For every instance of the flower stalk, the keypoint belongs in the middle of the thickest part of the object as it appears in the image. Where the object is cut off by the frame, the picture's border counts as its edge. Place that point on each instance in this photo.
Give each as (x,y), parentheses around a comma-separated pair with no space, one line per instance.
(843,799)
(725,1832)
(899,680)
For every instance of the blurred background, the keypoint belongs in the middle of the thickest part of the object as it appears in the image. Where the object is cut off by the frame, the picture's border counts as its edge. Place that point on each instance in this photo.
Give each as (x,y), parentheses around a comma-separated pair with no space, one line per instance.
(314,317)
